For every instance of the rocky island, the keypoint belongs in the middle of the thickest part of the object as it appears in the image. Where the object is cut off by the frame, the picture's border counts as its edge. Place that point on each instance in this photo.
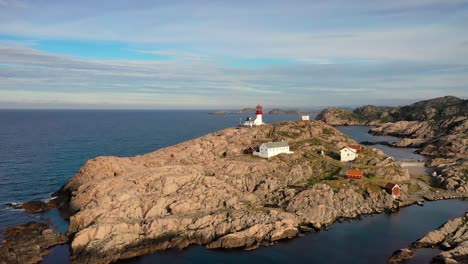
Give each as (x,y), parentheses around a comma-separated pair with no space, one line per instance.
(206,191)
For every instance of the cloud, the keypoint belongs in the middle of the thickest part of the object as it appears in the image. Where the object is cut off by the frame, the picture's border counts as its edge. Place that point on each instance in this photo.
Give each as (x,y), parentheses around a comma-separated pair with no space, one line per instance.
(306,31)
(32,77)
(231,53)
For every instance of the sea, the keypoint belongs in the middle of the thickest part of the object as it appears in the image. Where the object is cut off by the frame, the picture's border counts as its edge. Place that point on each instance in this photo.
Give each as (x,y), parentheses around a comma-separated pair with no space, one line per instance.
(40,150)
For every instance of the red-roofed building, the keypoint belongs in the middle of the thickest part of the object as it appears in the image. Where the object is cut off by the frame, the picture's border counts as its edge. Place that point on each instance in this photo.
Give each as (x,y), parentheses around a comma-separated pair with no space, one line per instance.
(358,148)
(354,174)
(393,189)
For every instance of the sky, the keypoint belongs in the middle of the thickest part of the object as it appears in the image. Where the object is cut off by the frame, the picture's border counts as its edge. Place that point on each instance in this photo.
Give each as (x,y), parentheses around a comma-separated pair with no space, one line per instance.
(230,54)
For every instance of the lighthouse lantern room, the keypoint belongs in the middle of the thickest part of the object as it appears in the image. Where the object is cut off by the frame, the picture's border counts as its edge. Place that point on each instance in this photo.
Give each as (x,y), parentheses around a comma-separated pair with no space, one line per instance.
(258,120)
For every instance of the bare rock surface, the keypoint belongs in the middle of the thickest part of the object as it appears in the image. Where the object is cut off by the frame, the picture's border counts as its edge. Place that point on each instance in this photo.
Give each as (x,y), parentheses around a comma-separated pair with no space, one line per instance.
(36,206)
(438,127)
(445,142)
(205,191)
(401,256)
(28,243)
(341,117)
(440,108)
(451,237)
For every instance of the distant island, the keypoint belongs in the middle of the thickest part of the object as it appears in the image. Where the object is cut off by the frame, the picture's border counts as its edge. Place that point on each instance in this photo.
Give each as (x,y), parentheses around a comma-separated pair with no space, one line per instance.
(275,111)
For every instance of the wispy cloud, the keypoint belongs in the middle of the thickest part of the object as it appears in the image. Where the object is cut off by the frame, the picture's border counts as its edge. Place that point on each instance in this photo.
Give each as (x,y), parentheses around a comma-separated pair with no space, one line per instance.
(236,53)
(34,77)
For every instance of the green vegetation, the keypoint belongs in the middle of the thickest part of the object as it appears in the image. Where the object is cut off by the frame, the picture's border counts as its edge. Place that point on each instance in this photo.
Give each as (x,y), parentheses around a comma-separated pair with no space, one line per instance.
(327,131)
(331,175)
(292,135)
(311,141)
(425,178)
(351,116)
(385,119)
(336,184)
(311,182)
(413,187)
(371,185)
(251,207)
(370,175)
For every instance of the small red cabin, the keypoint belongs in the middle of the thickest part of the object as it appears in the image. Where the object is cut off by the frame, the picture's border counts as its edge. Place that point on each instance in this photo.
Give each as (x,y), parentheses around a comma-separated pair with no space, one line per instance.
(259,110)
(250,150)
(358,148)
(393,189)
(354,174)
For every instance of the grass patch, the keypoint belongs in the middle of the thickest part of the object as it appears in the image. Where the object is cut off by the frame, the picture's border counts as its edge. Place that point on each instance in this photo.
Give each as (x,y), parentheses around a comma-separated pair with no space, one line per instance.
(386,119)
(425,178)
(371,185)
(311,182)
(336,184)
(312,142)
(331,175)
(413,187)
(351,116)
(328,131)
(292,135)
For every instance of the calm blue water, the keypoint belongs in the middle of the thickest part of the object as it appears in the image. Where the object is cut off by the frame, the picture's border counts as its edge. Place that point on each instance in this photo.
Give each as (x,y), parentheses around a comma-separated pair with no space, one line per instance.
(359,133)
(40,150)
(370,240)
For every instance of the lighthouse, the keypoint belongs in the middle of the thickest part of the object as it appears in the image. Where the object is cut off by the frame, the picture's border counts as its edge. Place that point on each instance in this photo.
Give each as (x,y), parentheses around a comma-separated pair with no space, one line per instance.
(258,120)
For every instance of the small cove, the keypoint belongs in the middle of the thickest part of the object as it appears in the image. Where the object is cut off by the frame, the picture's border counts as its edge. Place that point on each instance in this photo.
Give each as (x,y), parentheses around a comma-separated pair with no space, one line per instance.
(360,134)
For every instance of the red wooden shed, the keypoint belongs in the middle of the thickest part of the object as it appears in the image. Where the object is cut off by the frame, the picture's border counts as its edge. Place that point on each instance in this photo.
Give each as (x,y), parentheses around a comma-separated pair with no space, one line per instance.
(354,174)
(393,189)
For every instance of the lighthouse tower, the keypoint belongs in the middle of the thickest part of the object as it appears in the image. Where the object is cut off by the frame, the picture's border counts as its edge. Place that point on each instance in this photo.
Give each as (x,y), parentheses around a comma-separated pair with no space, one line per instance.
(258,121)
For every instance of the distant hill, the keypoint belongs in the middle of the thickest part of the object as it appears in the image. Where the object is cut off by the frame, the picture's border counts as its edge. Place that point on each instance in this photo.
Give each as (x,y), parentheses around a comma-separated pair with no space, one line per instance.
(278,111)
(433,109)
(275,111)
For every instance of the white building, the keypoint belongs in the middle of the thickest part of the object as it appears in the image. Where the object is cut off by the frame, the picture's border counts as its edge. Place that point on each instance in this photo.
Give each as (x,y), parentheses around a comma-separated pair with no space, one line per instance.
(258,119)
(250,122)
(348,154)
(305,117)
(271,149)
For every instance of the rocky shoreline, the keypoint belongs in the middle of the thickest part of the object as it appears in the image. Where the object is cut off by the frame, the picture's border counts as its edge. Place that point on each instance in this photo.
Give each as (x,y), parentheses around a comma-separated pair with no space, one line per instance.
(451,238)
(206,191)
(28,243)
(218,198)
(438,127)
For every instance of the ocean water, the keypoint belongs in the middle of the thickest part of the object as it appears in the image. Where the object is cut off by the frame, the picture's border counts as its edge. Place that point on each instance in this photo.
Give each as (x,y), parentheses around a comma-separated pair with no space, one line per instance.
(40,150)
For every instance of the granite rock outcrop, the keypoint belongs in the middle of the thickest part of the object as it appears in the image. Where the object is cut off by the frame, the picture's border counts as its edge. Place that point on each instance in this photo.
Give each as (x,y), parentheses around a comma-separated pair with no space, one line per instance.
(206,191)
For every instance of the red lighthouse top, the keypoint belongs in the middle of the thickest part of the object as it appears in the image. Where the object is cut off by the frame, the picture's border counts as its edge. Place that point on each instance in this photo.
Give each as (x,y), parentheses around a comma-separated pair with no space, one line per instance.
(259,110)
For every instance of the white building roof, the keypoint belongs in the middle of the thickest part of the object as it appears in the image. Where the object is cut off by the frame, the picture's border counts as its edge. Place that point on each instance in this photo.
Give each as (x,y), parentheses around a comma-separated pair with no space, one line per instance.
(276,144)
